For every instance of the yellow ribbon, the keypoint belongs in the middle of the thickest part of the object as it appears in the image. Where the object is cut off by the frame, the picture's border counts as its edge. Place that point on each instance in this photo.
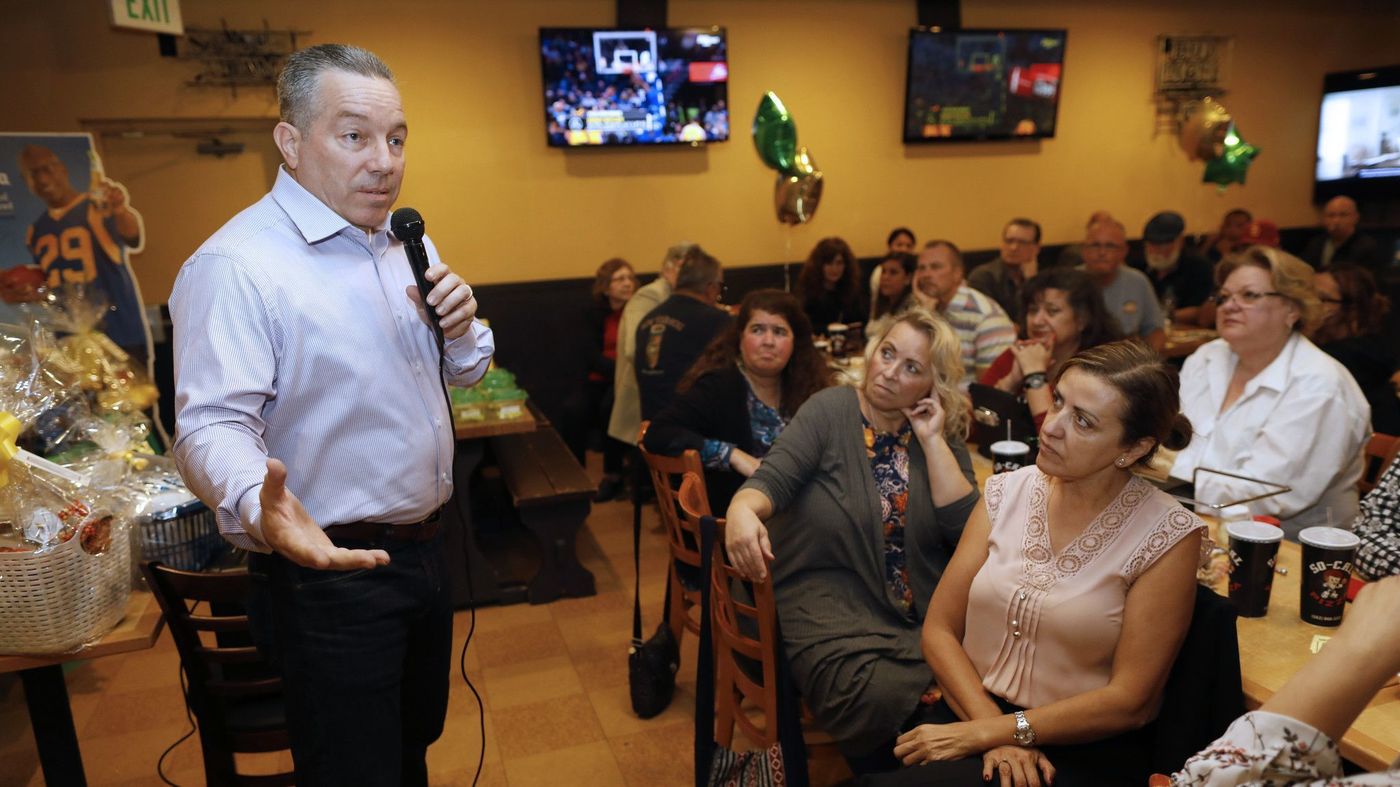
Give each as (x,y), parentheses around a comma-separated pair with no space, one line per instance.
(10,429)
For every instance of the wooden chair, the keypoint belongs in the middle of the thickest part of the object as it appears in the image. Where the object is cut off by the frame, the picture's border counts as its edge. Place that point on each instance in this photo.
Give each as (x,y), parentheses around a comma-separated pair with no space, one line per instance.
(235,696)
(1380,451)
(684,572)
(746,646)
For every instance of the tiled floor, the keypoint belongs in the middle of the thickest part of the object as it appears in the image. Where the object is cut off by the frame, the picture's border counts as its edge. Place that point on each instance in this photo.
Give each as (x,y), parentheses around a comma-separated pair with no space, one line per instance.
(553,679)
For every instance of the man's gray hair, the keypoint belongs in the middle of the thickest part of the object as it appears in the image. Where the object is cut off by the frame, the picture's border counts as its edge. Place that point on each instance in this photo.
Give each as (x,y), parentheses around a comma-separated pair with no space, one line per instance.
(698,271)
(675,255)
(297,85)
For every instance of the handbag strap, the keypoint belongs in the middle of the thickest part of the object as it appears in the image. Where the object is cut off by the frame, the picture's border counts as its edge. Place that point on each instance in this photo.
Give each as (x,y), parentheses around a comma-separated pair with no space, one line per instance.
(637,572)
(790,738)
(637,569)
(705,664)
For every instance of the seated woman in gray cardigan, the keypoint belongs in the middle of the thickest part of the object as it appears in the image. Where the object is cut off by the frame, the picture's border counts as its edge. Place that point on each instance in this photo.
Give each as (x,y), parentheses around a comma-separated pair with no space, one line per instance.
(865,495)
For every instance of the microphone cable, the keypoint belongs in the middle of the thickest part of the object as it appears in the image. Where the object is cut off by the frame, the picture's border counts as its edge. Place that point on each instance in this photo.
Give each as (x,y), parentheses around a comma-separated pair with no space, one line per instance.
(462,519)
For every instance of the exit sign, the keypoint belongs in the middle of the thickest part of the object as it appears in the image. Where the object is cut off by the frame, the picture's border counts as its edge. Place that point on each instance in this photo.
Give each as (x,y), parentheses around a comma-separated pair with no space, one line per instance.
(155,16)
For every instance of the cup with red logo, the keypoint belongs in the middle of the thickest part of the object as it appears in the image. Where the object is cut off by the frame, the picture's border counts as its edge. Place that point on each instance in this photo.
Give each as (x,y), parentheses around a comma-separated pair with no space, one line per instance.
(1327,559)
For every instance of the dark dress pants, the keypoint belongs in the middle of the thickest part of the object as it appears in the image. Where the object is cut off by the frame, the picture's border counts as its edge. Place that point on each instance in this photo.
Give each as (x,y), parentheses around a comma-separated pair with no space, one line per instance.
(1120,760)
(365,658)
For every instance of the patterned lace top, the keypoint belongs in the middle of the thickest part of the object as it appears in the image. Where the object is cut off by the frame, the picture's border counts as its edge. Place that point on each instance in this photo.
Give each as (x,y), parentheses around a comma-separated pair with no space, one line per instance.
(889,462)
(1043,626)
(1265,749)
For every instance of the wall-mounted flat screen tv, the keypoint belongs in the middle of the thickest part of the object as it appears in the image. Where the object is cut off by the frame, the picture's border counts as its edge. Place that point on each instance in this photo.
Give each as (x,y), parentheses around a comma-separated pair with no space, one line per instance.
(982,84)
(635,87)
(1358,135)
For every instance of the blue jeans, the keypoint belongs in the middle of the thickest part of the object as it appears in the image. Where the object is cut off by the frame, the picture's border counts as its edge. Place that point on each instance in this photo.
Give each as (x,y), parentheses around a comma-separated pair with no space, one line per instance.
(365,658)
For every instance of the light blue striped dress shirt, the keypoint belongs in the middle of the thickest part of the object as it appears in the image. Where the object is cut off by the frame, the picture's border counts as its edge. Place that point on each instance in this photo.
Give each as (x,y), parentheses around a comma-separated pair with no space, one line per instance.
(294,339)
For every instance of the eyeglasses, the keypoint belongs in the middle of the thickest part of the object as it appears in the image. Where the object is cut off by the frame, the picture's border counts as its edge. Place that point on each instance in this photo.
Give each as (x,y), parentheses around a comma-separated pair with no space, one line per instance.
(1103,247)
(1247,298)
(1017,242)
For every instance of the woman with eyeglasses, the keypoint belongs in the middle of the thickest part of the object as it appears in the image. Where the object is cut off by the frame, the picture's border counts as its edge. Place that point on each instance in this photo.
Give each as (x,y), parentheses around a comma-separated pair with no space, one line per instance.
(1266,403)
(1352,331)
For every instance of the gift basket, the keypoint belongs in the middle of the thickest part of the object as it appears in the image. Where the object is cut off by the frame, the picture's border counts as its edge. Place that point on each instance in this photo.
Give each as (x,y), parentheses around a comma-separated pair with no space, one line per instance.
(112,453)
(64,548)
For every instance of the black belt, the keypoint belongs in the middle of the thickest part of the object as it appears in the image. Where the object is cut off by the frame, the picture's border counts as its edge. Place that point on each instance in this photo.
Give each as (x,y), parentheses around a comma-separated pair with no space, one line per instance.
(423,530)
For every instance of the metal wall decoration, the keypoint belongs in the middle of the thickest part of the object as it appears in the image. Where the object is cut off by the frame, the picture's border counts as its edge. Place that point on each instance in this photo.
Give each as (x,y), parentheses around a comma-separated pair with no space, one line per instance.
(238,58)
(1189,68)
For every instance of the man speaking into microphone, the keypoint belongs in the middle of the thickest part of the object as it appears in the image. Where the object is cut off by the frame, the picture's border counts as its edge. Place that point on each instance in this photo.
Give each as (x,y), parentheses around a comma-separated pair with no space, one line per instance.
(312,418)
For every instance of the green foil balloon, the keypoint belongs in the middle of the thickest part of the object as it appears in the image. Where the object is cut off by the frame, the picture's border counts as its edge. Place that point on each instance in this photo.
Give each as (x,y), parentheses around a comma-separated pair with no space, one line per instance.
(1233,162)
(775,134)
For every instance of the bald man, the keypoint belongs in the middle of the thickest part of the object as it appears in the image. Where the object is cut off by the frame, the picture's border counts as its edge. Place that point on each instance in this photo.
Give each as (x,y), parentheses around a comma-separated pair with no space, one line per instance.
(1340,242)
(1127,293)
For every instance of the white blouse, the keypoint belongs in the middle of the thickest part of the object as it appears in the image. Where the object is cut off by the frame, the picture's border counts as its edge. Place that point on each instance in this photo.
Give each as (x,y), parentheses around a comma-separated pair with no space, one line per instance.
(1302,421)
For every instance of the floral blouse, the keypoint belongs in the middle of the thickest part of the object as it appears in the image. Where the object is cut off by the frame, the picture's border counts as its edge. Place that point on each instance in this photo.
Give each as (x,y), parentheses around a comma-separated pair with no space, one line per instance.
(889,462)
(765,424)
(1265,749)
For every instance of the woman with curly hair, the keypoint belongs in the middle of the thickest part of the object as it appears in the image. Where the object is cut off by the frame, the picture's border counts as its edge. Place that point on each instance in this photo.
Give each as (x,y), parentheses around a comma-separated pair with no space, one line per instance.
(859,507)
(829,285)
(1062,313)
(742,391)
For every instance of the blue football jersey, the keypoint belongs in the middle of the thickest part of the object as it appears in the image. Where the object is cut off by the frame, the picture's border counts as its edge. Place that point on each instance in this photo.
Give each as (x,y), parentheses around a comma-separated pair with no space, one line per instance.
(79,246)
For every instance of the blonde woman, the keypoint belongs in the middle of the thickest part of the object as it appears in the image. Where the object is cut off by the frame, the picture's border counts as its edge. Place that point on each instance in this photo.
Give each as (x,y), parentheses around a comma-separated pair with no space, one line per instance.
(858,506)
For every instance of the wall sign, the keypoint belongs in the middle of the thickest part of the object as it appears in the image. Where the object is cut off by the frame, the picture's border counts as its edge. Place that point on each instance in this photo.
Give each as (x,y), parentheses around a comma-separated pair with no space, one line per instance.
(152,16)
(1192,63)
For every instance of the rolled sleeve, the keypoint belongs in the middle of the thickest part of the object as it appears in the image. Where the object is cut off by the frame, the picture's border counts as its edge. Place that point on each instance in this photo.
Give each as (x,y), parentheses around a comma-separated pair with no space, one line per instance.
(469,355)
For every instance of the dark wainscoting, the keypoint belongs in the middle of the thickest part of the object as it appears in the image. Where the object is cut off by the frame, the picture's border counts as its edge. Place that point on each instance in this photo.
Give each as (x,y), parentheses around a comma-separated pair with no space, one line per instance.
(538,324)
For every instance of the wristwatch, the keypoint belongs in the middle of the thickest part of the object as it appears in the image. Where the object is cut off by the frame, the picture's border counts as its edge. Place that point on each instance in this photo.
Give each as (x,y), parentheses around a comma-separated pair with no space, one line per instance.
(1024,735)
(1034,380)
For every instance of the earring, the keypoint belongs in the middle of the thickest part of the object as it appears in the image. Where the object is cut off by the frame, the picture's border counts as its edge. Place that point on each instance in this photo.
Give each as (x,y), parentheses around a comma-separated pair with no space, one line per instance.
(1118,463)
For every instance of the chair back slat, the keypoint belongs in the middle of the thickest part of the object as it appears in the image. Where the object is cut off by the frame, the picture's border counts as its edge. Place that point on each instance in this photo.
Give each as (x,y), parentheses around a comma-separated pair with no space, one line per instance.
(227,675)
(746,644)
(1380,452)
(666,473)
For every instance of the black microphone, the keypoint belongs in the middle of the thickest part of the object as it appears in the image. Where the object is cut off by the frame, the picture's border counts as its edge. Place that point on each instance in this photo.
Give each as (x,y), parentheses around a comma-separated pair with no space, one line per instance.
(407,226)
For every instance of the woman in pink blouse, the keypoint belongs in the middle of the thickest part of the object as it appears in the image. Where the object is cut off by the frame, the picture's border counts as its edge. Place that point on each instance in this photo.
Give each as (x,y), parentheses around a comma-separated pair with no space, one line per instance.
(1052,631)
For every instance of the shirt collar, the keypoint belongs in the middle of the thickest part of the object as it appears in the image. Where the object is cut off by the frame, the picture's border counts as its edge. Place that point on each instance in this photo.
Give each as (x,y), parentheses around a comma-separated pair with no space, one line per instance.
(312,217)
(1275,375)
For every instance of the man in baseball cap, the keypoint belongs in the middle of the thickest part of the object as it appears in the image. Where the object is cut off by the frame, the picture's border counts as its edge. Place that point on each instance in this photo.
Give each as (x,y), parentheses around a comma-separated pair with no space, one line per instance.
(1181,278)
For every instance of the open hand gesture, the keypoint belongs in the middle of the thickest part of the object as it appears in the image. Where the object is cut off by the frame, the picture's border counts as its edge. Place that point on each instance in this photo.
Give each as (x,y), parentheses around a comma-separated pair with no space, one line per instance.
(293,534)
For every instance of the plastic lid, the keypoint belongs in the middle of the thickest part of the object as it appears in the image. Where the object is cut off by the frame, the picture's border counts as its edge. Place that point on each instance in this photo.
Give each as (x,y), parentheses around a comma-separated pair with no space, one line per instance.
(1010,447)
(1237,512)
(1257,532)
(1329,537)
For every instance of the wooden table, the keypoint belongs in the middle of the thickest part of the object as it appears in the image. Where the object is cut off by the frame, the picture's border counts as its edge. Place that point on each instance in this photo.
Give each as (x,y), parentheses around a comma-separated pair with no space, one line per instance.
(474,580)
(1181,342)
(46,693)
(1274,647)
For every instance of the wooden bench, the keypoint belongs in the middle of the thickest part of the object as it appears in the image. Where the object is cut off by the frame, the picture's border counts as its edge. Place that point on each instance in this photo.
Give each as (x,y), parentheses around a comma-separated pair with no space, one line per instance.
(553,495)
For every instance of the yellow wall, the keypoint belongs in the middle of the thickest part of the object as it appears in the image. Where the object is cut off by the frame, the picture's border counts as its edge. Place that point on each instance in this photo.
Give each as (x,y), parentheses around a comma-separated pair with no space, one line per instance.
(504,207)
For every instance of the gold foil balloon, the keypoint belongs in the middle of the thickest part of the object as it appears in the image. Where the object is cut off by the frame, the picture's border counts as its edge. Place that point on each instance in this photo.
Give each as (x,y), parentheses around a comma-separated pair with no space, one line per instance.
(797,195)
(1203,129)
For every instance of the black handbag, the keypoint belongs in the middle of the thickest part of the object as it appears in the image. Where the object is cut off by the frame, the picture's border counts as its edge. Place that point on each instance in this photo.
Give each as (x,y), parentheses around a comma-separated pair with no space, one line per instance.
(651,665)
